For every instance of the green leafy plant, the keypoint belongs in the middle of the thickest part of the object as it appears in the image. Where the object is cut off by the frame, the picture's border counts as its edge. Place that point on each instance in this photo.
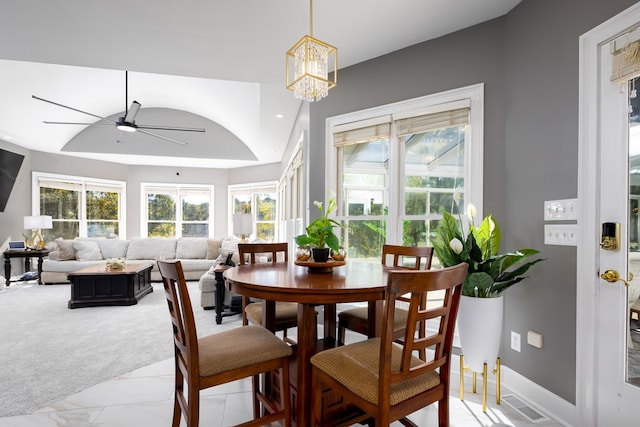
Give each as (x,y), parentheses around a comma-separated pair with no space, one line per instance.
(320,231)
(489,273)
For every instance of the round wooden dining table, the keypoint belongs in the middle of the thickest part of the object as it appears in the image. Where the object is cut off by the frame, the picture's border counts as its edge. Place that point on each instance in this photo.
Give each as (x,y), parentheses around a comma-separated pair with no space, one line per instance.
(354,282)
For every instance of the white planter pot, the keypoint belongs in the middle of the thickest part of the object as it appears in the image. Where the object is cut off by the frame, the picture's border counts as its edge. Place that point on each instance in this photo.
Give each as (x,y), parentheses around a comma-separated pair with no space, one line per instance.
(480,330)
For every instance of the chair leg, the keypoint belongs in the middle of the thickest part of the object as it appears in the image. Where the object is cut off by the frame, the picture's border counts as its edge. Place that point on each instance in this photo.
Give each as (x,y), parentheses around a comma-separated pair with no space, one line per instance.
(285,393)
(177,413)
(193,406)
(255,384)
(341,333)
(245,302)
(443,411)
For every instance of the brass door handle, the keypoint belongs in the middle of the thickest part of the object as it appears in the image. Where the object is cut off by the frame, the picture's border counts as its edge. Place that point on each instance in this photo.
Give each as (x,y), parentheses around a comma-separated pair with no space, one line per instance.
(613,276)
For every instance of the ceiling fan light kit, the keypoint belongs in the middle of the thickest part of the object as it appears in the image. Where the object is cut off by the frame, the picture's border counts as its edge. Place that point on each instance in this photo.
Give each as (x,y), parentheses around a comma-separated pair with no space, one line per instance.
(309,62)
(126,123)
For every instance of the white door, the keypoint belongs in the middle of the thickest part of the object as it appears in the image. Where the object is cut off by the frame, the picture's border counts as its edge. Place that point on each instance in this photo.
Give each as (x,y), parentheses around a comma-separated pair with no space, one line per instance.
(608,378)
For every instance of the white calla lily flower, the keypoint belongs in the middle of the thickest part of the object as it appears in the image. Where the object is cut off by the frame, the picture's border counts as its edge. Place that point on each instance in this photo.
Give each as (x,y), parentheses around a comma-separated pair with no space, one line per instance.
(456,245)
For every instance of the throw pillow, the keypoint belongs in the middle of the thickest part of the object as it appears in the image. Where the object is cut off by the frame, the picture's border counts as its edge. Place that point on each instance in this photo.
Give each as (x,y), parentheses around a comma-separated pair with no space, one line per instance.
(113,248)
(191,248)
(87,250)
(231,245)
(213,246)
(65,250)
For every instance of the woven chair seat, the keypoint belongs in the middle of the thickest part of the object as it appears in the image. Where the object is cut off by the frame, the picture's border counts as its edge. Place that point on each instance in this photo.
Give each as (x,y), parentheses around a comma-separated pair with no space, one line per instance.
(285,312)
(251,345)
(356,366)
(360,316)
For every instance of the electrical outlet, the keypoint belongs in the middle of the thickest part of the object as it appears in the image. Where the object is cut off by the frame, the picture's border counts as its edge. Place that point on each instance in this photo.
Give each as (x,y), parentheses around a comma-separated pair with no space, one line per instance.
(515,341)
(534,339)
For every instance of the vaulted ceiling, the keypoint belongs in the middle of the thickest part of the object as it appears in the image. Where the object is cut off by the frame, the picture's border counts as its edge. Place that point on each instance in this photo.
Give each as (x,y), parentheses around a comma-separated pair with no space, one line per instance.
(218,65)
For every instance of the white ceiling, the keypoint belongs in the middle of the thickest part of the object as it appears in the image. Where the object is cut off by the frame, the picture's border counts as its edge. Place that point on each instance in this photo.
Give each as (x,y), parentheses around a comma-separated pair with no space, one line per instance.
(222,63)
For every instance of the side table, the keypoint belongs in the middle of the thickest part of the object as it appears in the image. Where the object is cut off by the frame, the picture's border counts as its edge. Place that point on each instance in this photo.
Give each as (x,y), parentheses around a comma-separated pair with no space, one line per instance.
(27,255)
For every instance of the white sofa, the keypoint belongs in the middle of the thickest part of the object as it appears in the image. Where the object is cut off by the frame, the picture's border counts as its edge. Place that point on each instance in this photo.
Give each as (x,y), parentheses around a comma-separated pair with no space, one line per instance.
(197,254)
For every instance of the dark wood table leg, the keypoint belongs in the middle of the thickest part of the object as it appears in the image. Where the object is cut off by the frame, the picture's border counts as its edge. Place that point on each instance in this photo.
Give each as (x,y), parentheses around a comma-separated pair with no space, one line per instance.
(220,293)
(7,270)
(40,261)
(307,338)
(330,325)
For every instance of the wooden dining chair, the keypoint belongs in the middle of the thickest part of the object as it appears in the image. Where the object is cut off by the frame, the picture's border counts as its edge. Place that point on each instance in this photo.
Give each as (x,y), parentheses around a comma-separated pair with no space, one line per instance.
(357,319)
(286,314)
(382,378)
(220,358)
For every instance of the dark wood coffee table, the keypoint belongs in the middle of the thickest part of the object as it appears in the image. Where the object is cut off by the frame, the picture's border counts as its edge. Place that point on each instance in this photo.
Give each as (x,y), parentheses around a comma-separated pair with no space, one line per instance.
(93,286)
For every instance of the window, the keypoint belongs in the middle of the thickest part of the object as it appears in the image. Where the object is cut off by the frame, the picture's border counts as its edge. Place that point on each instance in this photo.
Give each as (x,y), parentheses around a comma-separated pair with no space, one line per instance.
(177,210)
(396,166)
(80,207)
(258,199)
(291,197)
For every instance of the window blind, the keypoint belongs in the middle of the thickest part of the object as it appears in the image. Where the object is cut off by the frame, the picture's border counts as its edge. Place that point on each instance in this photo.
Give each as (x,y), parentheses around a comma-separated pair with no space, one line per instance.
(361,135)
(429,122)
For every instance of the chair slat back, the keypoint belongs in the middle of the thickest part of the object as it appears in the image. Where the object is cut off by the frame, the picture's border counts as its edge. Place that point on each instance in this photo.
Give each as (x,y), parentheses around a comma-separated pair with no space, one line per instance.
(253,249)
(401,253)
(185,337)
(416,284)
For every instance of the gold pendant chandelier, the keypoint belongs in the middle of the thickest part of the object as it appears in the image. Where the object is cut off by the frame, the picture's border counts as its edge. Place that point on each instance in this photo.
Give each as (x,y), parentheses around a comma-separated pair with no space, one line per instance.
(309,63)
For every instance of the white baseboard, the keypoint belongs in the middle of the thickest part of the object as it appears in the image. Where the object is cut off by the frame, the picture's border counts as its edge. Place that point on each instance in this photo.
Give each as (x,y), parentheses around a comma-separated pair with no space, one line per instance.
(547,402)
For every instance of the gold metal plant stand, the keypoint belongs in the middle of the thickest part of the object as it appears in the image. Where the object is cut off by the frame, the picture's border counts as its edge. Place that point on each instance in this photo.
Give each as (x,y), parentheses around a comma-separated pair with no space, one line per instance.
(496,372)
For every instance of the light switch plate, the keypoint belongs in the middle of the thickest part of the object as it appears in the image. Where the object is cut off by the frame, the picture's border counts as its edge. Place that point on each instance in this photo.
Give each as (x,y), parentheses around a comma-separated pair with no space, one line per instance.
(561,234)
(561,210)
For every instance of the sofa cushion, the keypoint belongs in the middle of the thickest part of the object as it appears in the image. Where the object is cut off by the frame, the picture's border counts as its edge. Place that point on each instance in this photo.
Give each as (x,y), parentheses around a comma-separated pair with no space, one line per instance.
(87,250)
(65,249)
(191,248)
(213,248)
(113,248)
(152,248)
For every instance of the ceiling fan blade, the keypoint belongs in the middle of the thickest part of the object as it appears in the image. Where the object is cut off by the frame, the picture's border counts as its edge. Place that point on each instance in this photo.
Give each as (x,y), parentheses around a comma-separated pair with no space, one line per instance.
(75,123)
(120,139)
(185,129)
(130,116)
(166,138)
(69,108)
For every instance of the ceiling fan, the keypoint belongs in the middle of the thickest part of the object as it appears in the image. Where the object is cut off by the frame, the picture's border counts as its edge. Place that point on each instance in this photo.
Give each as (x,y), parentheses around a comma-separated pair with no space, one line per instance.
(126,123)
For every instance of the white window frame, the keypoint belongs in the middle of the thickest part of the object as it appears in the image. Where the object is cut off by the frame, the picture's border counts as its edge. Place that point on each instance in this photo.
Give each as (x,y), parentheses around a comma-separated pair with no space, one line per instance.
(253,188)
(291,199)
(84,182)
(473,161)
(144,208)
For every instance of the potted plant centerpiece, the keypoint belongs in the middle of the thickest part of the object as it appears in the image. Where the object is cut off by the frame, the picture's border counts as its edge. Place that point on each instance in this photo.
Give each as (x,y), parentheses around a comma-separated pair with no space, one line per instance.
(320,236)
(489,275)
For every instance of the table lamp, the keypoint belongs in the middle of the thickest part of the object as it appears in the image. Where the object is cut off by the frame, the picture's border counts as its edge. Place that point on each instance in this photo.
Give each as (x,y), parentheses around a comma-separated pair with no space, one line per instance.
(242,225)
(36,224)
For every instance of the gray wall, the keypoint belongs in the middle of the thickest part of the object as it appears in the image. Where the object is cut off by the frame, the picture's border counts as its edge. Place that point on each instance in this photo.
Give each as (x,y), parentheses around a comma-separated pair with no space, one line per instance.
(528,61)
(19,204)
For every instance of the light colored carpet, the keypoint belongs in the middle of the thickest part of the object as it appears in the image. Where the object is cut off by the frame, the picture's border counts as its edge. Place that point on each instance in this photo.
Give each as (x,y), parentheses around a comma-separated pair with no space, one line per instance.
(49,352)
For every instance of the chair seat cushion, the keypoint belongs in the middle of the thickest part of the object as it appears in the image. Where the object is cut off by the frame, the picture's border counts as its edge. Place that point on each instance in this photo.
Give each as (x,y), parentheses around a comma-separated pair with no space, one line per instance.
(359,316)
(238,348)
(286,312)
(356,367)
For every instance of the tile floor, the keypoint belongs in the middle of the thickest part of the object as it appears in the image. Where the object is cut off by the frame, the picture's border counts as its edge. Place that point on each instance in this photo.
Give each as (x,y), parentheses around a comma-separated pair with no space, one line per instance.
(144,398)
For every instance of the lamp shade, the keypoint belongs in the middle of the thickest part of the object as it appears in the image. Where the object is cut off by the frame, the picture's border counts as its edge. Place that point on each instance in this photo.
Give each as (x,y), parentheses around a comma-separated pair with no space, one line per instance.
(242,224)
(42,222)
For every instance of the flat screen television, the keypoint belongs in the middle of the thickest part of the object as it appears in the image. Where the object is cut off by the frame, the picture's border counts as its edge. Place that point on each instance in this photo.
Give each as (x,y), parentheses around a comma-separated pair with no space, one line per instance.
(9,167)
